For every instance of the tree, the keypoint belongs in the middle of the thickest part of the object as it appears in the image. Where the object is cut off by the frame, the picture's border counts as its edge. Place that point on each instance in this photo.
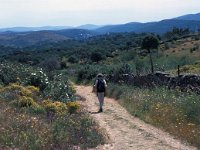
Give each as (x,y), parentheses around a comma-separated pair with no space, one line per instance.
(50,64)
(96,57)
(150,42)
(72,59)
(176,33)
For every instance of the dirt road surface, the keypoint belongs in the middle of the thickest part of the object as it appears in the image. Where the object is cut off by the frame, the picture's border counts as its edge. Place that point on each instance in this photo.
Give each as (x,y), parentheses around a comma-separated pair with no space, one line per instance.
(125,131)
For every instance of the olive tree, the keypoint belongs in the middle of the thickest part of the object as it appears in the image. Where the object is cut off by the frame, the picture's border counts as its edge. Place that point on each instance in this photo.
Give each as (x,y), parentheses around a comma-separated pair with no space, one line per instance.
(150,42)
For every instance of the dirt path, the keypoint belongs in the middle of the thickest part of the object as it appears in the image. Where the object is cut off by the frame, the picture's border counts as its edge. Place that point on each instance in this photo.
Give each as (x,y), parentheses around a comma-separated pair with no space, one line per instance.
(125,131)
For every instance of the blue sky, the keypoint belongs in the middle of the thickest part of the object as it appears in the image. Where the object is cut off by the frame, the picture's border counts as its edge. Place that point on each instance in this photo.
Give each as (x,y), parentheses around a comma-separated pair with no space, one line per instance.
(78,12)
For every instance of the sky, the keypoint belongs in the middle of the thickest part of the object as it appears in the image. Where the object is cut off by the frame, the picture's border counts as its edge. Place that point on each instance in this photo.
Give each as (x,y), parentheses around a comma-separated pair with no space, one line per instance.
(34,13)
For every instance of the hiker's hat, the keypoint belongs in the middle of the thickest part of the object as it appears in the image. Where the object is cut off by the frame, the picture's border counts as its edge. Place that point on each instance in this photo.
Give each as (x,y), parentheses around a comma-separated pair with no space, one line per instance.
(99,75)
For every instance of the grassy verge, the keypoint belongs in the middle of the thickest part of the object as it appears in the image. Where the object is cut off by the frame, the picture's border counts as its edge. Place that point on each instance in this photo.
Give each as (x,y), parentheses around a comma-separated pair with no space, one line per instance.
(172,110)
(29,123)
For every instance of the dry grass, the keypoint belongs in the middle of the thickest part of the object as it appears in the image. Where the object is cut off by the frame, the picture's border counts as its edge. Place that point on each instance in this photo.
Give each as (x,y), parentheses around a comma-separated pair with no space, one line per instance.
(194,68)
(188,69)
(184,47)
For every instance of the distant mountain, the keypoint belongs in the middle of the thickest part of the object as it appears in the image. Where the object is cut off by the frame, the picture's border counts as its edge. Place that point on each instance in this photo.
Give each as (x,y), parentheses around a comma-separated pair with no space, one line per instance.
(25,36)
(151,27)
(76,33)
(167,25)
(28,29)
(190,17)
(24,39)
(88,27)
(129,27)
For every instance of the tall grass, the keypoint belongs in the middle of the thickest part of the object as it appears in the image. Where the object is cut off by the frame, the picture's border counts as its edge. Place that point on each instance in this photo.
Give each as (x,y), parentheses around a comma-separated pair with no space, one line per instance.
(172,61)
(172,110)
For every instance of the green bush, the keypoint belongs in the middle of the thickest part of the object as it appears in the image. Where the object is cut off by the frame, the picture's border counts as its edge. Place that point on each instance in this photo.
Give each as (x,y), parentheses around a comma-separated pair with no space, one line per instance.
(50,64)
(97,56)
(72,59)
(124,69)
(59,89)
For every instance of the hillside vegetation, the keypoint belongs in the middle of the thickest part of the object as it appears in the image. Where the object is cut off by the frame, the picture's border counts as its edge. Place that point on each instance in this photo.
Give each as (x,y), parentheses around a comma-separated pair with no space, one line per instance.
(175,110)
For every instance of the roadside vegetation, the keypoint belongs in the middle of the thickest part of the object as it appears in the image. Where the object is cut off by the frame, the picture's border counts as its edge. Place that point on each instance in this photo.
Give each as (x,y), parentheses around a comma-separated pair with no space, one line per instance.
(174,111)
(48,68)
(38,110)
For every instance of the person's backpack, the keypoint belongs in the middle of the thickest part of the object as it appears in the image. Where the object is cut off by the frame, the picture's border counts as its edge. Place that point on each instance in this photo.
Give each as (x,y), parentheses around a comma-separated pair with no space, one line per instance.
(101,87)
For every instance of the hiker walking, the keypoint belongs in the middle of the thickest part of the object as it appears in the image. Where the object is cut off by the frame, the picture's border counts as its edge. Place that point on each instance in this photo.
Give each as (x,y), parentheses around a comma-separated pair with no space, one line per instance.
(100,87)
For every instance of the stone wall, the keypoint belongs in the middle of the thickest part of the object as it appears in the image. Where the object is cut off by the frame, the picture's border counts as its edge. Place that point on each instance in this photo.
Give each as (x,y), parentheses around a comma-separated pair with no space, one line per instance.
(189,81)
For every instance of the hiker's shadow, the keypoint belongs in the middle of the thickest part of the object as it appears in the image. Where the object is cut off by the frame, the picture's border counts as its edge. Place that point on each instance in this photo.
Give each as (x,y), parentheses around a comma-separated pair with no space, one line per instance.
(93,112)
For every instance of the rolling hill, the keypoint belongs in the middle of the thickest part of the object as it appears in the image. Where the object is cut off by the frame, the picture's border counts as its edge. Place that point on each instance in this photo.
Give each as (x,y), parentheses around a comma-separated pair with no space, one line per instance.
(25,36)
(23,39)
(29,38)
(151,27)
(190,17)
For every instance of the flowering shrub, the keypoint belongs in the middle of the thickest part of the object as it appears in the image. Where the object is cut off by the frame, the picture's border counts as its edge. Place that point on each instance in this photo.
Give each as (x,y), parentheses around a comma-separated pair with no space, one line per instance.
(73,107)
(54,106)
(60,89)
(14,91)
(21,96)
(12,73)
(39,79)
(22,74)
(24,101)
(34,91)
(52,85)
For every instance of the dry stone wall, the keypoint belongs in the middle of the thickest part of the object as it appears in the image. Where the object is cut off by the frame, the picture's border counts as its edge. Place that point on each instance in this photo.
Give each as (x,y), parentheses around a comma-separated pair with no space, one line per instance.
(187,81)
